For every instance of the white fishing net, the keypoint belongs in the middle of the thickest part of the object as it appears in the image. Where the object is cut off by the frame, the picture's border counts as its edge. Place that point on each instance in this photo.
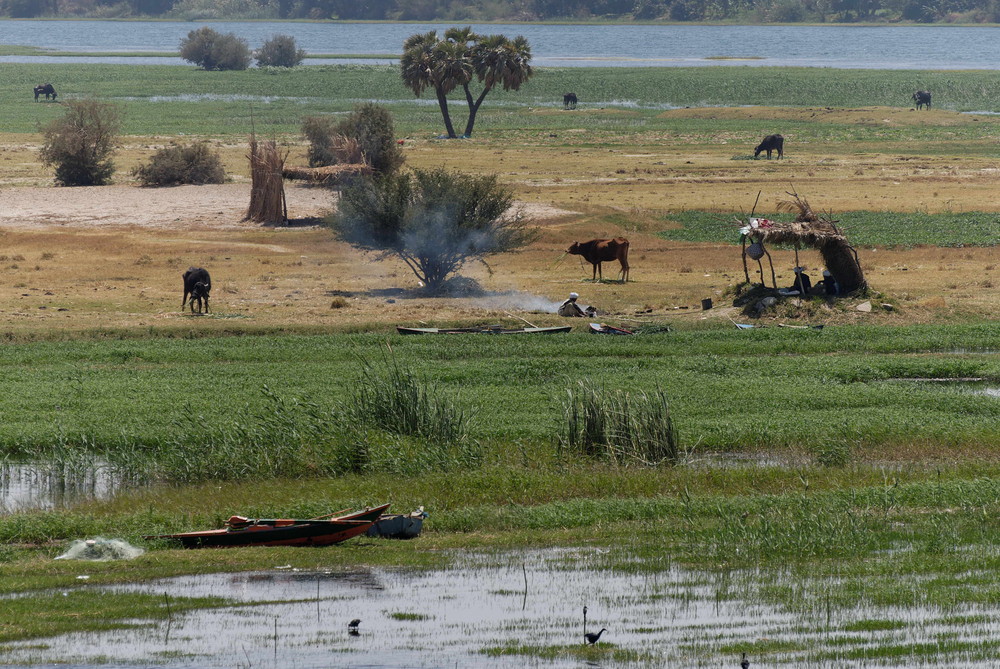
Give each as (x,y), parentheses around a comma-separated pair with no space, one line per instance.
(101,550)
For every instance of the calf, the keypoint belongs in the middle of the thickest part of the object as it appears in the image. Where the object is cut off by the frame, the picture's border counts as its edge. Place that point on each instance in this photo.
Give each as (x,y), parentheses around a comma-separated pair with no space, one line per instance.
(197,284)
(771,143)
(597,251)
(921,98)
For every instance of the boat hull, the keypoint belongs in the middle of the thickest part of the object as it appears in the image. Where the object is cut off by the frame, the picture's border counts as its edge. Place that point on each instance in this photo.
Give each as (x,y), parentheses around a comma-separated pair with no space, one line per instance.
(282,532)
(417,331)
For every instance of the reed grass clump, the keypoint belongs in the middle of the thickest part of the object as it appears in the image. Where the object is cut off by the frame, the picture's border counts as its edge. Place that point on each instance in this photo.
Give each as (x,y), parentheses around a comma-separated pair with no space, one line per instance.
(622,426)
(390,397)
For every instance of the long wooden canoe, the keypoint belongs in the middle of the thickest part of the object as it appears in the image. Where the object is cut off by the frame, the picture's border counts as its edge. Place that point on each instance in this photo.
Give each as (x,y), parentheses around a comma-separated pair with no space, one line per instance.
(240,531)
(483,330)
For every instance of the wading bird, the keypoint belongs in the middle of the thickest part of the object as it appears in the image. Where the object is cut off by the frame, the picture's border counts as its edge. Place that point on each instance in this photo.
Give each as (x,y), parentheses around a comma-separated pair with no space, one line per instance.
(592,637)
(744,663)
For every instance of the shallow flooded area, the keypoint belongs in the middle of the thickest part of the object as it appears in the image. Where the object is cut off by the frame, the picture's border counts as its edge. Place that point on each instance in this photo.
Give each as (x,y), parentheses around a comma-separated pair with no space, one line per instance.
(523,609)
(41,485)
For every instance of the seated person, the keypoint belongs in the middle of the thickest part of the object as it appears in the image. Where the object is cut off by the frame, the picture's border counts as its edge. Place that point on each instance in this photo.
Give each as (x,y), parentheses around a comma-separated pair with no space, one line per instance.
(570,308)
(802,282)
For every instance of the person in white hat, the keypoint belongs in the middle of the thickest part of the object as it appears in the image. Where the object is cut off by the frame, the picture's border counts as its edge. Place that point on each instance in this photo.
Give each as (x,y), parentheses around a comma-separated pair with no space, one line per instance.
(570,308)
(802,281)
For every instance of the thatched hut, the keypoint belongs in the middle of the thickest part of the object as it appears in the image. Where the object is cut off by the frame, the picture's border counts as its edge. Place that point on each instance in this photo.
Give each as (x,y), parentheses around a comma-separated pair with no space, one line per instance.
(809,230)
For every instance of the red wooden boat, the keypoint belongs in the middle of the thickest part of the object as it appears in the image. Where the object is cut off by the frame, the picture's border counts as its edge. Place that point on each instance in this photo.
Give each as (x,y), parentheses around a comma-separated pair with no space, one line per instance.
(240,531)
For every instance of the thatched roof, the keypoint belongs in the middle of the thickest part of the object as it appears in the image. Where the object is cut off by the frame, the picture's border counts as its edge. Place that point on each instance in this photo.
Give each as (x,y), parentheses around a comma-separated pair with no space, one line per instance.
(821,233)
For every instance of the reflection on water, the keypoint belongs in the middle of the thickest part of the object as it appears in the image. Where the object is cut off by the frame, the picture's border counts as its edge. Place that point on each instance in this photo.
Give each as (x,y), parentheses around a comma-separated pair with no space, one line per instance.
(454,617)
(48,486)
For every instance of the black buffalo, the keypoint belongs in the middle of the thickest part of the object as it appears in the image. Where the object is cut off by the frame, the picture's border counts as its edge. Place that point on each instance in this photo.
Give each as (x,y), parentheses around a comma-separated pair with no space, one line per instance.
(47,89)
(769,144)
(569,100)
(197,284)
(921,98)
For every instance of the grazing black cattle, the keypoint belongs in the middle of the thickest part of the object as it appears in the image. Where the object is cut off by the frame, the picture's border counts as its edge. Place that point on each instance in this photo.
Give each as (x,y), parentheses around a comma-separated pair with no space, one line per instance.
(569,101)
(197,284)
(769,144)
(47,89)
(921,98)
(597,251)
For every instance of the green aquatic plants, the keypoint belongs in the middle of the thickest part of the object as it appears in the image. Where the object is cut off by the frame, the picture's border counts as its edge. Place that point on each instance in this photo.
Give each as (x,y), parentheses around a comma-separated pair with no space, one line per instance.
(391,397)
(626,427)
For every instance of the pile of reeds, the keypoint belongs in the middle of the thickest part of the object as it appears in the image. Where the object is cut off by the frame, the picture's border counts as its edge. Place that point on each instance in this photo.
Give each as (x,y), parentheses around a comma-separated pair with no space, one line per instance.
(267,186)
(330,175)
(625,427)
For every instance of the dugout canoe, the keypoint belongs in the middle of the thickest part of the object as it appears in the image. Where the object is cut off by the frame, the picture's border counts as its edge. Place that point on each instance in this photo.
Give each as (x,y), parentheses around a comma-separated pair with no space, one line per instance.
(240,531)
(483,330)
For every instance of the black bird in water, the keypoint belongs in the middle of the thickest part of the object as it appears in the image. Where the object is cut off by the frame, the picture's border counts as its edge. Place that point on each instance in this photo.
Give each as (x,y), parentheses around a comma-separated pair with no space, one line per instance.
(745,663)
(352,627)
(592,637)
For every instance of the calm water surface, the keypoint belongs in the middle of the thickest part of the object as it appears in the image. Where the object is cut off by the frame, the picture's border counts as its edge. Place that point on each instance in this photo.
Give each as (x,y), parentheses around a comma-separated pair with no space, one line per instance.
(897,47)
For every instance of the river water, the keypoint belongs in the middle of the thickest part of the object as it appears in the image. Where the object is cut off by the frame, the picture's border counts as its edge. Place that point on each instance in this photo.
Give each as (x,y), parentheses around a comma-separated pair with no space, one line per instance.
(880,47)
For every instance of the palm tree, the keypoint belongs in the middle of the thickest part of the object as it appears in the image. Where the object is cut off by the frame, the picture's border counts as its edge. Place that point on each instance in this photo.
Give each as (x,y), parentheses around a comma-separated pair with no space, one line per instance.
(428,62)
(445,64)
(497,60)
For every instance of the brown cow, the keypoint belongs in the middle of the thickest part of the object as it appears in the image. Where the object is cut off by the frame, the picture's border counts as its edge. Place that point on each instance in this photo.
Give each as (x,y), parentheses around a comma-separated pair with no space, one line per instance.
(597,251)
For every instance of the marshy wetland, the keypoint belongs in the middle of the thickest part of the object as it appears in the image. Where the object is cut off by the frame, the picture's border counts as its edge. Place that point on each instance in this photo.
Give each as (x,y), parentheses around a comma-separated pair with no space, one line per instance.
(830,505)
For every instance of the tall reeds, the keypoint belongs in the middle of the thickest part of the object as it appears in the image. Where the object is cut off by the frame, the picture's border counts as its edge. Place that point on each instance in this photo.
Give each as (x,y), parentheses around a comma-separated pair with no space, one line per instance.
(626,427)
(390,397)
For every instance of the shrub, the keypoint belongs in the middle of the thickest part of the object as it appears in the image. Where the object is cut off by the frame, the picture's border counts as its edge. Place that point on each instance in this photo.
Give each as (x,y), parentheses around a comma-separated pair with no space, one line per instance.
(80,143)
(173,165)
(433,220)
(280,51)
(369,126)
(211,50)
(320,131)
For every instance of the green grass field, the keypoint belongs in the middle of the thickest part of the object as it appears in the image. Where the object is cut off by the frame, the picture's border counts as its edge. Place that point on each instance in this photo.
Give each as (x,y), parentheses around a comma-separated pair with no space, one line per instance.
(846,473)
(172,100)
(865,228)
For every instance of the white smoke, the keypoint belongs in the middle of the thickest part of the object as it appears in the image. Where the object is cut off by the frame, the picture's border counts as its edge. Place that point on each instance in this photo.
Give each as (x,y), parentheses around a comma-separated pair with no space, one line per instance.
(516,300)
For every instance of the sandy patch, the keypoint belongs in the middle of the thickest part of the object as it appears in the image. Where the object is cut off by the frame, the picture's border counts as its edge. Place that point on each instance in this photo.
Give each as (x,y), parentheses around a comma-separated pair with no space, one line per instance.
(213,206)
(103,206)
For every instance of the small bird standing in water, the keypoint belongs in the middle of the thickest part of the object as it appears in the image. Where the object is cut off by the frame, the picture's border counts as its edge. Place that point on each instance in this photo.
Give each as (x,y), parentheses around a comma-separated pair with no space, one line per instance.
(352,627)
(745,663)
(592,637)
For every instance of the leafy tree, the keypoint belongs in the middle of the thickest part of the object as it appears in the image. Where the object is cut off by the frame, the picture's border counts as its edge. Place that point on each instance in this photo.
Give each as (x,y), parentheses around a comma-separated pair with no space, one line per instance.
(433,220)
(81,143)
(211,50)
(457,60)
(280,51)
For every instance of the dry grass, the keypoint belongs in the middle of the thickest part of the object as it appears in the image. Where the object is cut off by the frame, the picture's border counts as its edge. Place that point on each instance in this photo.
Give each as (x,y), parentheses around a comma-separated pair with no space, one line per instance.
(619,186)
